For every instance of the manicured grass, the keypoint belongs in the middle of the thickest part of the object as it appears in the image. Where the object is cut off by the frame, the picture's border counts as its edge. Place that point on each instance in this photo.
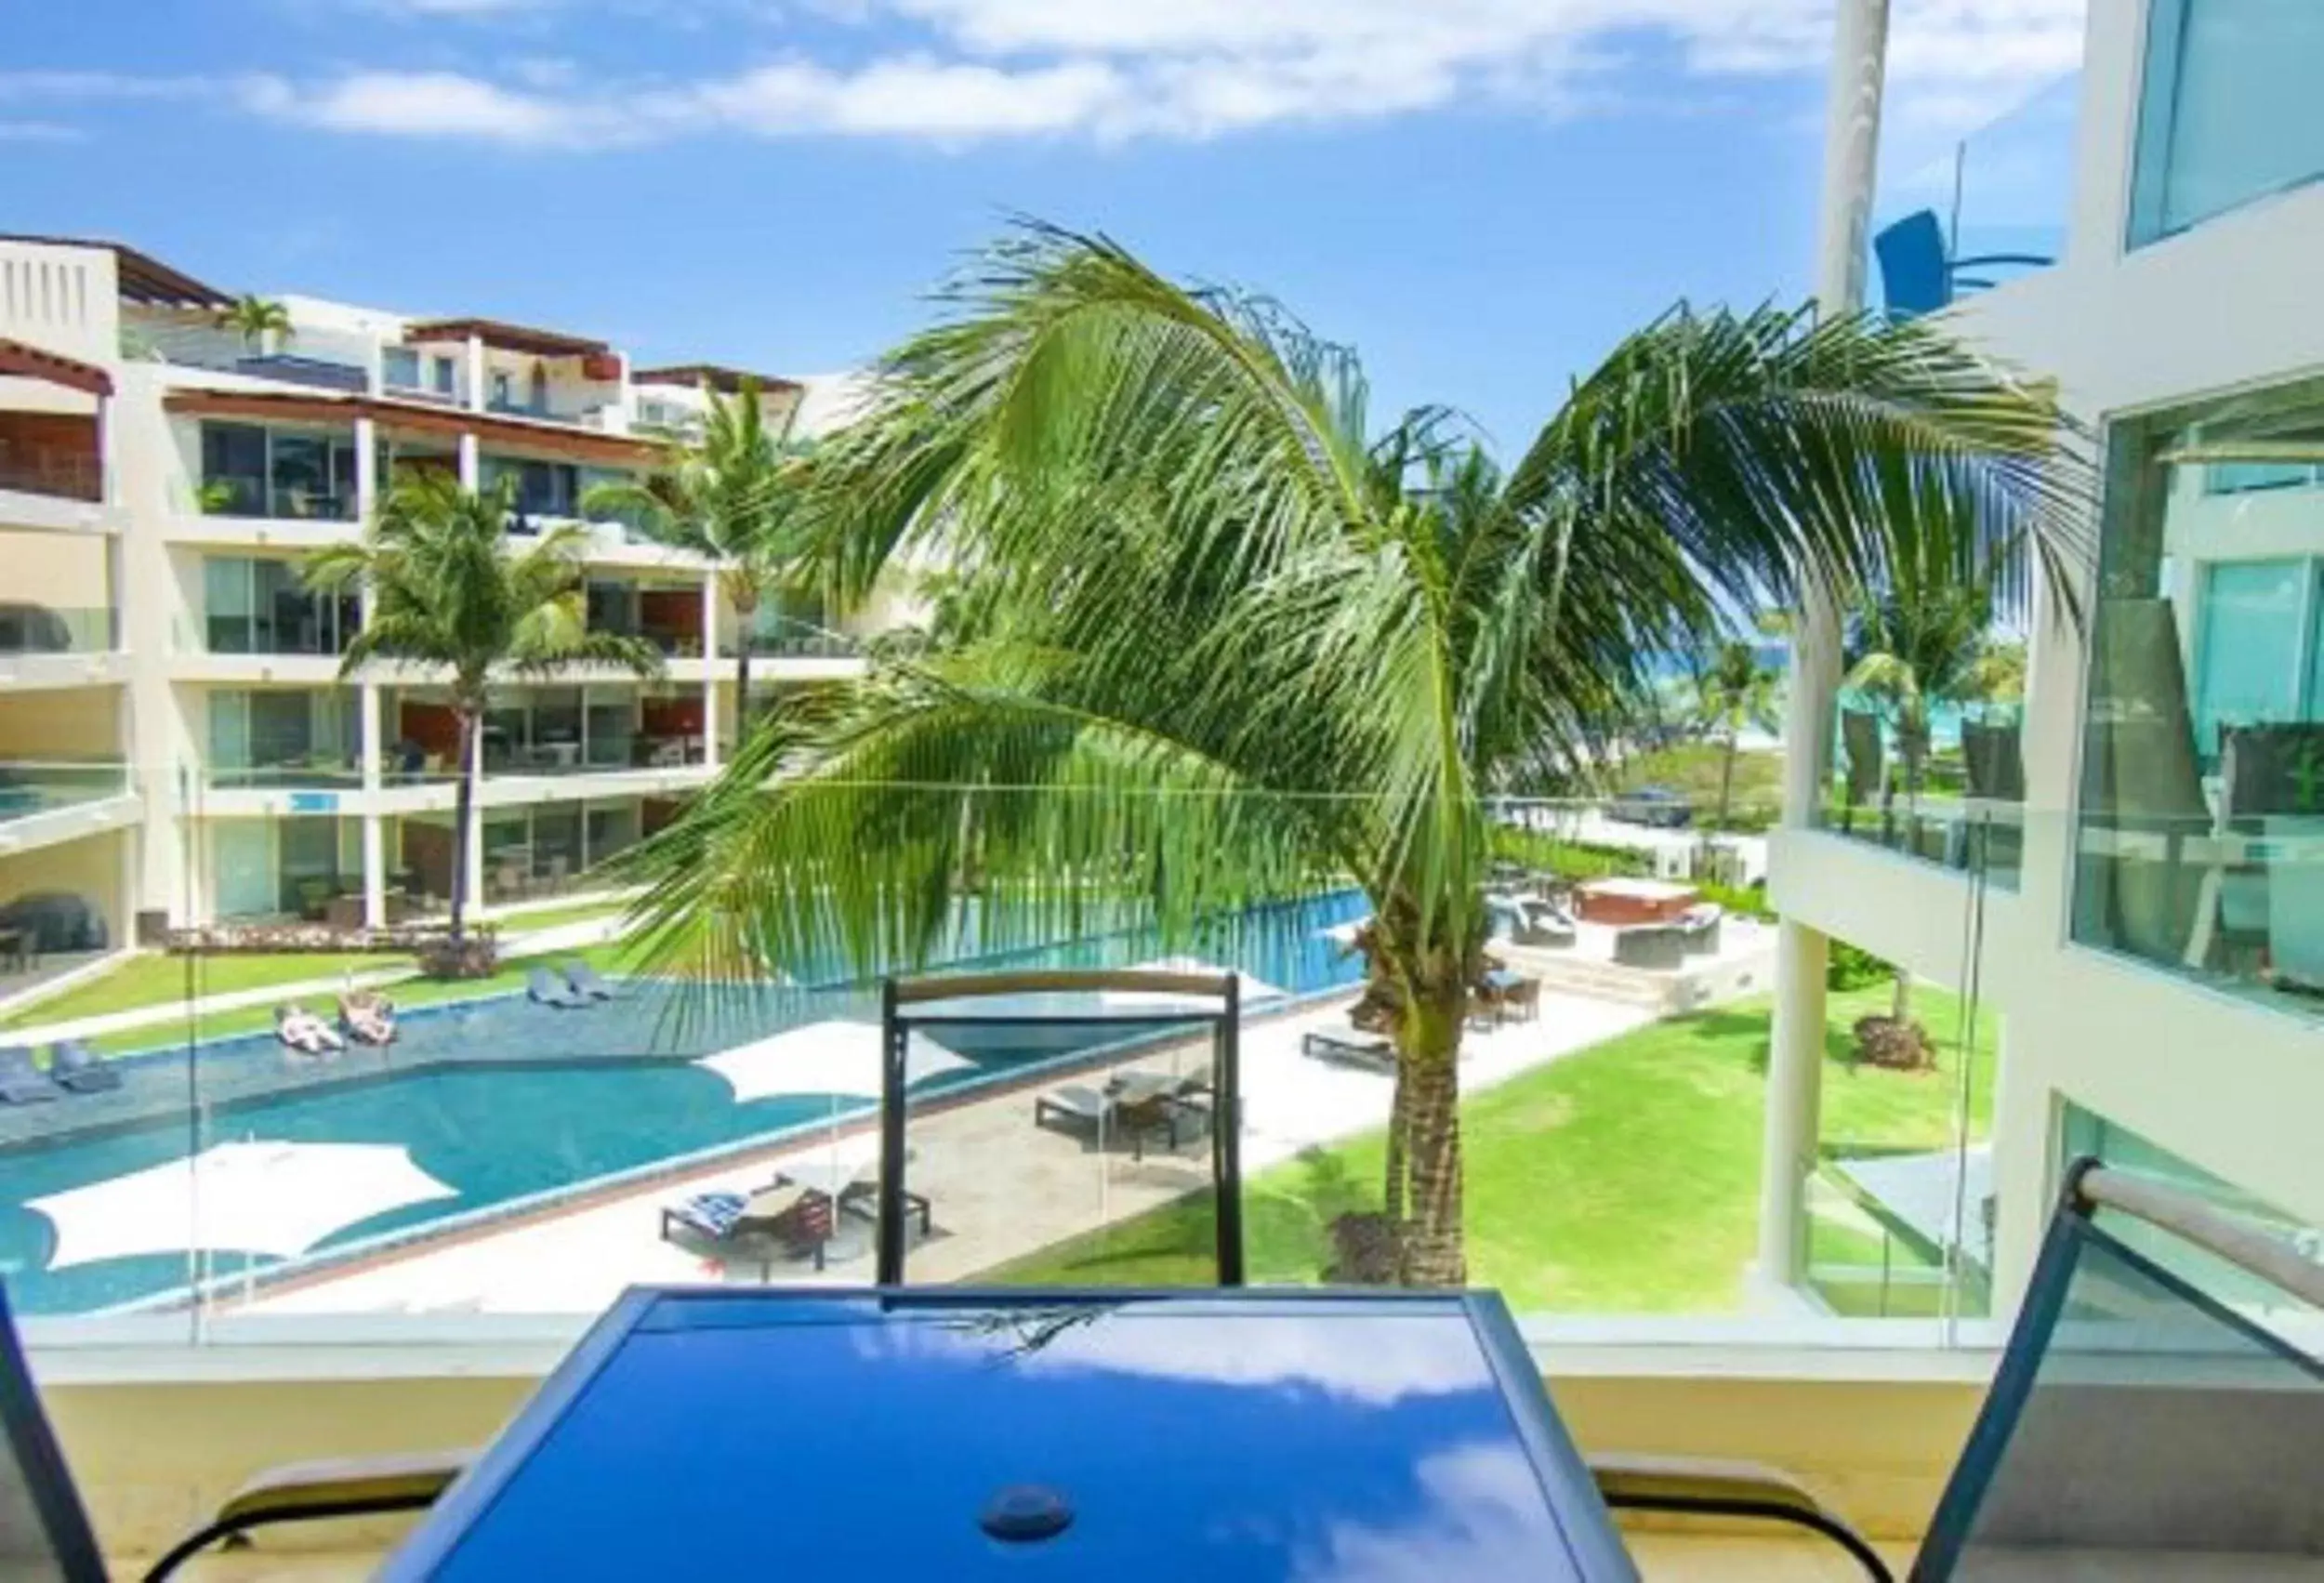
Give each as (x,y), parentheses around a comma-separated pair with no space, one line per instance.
(1694,767)
(557,918)
(160,980)
(1624,1178)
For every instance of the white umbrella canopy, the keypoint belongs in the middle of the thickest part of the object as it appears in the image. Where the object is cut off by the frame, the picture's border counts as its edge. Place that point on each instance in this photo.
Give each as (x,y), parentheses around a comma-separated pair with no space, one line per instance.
(243,1197)
(826,1058)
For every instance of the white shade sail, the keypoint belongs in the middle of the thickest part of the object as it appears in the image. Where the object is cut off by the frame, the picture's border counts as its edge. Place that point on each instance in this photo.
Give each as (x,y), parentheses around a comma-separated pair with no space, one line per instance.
(826,1058)
(1249,990)
(246,1197)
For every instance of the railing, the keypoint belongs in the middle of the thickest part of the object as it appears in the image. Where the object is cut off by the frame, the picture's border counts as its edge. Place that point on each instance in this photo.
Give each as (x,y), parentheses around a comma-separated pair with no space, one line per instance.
(601,756)
(325,359)
(319,773)
(70,477)
(250,497)
(1991,206)
(45,629)
(36,786)
(1951,793)
(795,639)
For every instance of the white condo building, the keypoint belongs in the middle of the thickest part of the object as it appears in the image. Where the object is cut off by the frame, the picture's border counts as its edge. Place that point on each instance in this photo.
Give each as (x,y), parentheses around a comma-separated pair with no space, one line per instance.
(2132,880)
(177,744)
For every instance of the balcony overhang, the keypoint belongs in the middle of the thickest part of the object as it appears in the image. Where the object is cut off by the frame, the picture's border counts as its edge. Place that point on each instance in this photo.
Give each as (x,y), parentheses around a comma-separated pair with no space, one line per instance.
(557,441)
(20,360)
(503,337)
(718,376)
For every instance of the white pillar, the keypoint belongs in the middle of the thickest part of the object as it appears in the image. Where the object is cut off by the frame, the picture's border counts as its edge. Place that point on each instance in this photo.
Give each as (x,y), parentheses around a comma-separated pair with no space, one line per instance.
(471,461)
(367,469)
(375,871)
(108,487)
(1795,1065)
(711,673)
(472,838)
(475,369)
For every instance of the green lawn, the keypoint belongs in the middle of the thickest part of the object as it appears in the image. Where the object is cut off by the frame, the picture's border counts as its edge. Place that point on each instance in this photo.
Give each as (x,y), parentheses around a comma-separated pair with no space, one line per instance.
(1694,767)
(1624,1178)
(557,918)
(160,980)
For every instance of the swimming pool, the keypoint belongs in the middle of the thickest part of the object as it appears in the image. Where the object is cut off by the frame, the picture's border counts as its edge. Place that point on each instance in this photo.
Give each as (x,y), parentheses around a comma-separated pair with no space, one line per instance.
(548,1101)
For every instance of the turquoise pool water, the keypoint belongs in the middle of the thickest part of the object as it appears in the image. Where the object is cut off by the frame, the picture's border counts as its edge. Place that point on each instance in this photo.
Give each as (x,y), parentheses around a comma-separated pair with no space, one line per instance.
(602,1091)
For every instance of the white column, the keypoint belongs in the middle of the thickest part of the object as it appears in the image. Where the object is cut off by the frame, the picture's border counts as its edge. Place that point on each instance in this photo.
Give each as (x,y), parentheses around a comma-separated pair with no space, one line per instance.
(367,469)
(108,486)
(475,369)
(471,461)
(375,870)
(472,838)
(1795,1062)
(712,674)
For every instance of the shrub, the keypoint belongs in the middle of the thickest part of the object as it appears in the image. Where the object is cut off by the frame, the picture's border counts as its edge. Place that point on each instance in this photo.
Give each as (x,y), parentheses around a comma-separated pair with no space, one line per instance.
(1851,966)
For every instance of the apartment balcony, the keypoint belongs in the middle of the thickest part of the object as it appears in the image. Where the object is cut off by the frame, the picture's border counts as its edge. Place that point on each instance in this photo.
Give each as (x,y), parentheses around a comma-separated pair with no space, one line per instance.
(52,481)
(45,801)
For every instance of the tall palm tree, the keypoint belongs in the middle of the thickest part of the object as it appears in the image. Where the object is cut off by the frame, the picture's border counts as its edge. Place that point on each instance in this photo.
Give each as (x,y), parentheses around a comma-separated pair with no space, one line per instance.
(728,498)
(1926,637)
(1245,646)
(450,589)
(256,319)
(1733,692)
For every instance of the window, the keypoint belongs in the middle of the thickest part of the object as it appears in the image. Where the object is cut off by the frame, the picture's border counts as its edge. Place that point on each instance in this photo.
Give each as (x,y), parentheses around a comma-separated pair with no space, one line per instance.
(447,378)
(399,368)
(233,468)
(2228,112)
(503,397)
(248,471)
(2200,834)
(281,736)
(543,489)
(254,606)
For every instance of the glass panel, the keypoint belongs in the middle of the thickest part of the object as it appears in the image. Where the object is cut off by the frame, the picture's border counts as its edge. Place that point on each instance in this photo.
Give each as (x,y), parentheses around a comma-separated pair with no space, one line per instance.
(243,867)
(2227,112)
(227,602)
(612,730)
(2202,826)
(399,368)
(233,469)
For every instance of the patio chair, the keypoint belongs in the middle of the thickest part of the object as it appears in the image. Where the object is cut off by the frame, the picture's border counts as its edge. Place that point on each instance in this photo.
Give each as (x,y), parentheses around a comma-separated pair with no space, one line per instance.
(1083,1109)
(860,1197)
(1918,274)
(585,982)
(1860,746)
(21,1083)
(546,991)
(1367,1052)
(1699,927)
(2140,1426)
(1544,926)
(48,1535)
(76,1068)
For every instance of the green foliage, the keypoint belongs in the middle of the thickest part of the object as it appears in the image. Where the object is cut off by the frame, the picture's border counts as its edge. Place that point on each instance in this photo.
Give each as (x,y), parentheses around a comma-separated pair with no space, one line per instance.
(1852,968)
(255,318)
(1571,861)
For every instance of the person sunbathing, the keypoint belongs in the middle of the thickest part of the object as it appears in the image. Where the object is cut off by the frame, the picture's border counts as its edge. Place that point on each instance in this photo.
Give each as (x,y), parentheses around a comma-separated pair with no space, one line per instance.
(305,1032)
(368,1016)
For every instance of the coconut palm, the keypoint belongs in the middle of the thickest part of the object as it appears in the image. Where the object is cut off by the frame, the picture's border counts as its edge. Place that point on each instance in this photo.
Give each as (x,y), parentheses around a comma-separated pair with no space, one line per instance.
(1733,692)
(727,498)
(1244,645)
(450,589)
(1926,637)
(256,319)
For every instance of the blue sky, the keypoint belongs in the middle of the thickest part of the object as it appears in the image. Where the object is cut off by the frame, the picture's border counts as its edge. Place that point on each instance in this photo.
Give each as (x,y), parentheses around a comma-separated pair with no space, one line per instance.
(1482,194)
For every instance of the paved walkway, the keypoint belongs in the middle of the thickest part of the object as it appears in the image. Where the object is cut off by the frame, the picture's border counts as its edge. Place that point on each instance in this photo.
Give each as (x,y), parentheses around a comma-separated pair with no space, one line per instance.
(1002,1188)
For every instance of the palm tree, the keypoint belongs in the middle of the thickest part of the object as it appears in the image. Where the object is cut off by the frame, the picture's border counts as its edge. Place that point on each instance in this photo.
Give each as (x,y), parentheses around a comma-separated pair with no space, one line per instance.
(449,590)
(1732,691)
(1926,637)
(727,498)
(256,319)
(1244,645)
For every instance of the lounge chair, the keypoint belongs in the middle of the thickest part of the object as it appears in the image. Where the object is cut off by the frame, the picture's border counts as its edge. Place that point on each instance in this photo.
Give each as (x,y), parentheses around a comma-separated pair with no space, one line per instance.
(860,1196)
(785,1217)
(80,1070)
(367,1017)
(1367,1052)
(21,1083)
(544,990)
(585,982)
(1544,926)
(1085,1109)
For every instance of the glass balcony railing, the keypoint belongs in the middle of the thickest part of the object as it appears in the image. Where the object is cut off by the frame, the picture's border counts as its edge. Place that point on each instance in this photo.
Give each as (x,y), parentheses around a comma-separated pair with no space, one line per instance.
(794,639)
(601,756)
(1990,207)
(320,772)
(36,786)
(1950,791)
(47,630)
(286,502)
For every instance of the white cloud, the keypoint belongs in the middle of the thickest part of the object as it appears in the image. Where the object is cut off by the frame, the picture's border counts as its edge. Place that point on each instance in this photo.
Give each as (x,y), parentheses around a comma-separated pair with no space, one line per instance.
(39,132)
(1115,69)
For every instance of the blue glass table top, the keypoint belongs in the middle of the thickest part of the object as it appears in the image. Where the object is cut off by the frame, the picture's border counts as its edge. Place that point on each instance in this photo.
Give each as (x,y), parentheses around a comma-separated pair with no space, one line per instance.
(1233,1437)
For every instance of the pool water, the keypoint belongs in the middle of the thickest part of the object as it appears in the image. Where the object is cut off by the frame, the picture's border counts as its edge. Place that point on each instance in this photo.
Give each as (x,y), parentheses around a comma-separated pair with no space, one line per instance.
(584,1095)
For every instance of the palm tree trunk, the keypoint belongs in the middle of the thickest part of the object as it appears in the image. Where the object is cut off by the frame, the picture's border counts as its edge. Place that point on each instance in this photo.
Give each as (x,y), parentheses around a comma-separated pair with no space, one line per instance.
(1901,1007)
(1392,1191)
(1726,778)
(746,613)
(462,797)
(1427,1056)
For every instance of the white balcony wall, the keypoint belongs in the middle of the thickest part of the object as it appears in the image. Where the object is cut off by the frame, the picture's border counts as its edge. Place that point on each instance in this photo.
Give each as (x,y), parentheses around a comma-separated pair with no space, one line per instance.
(62,299)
